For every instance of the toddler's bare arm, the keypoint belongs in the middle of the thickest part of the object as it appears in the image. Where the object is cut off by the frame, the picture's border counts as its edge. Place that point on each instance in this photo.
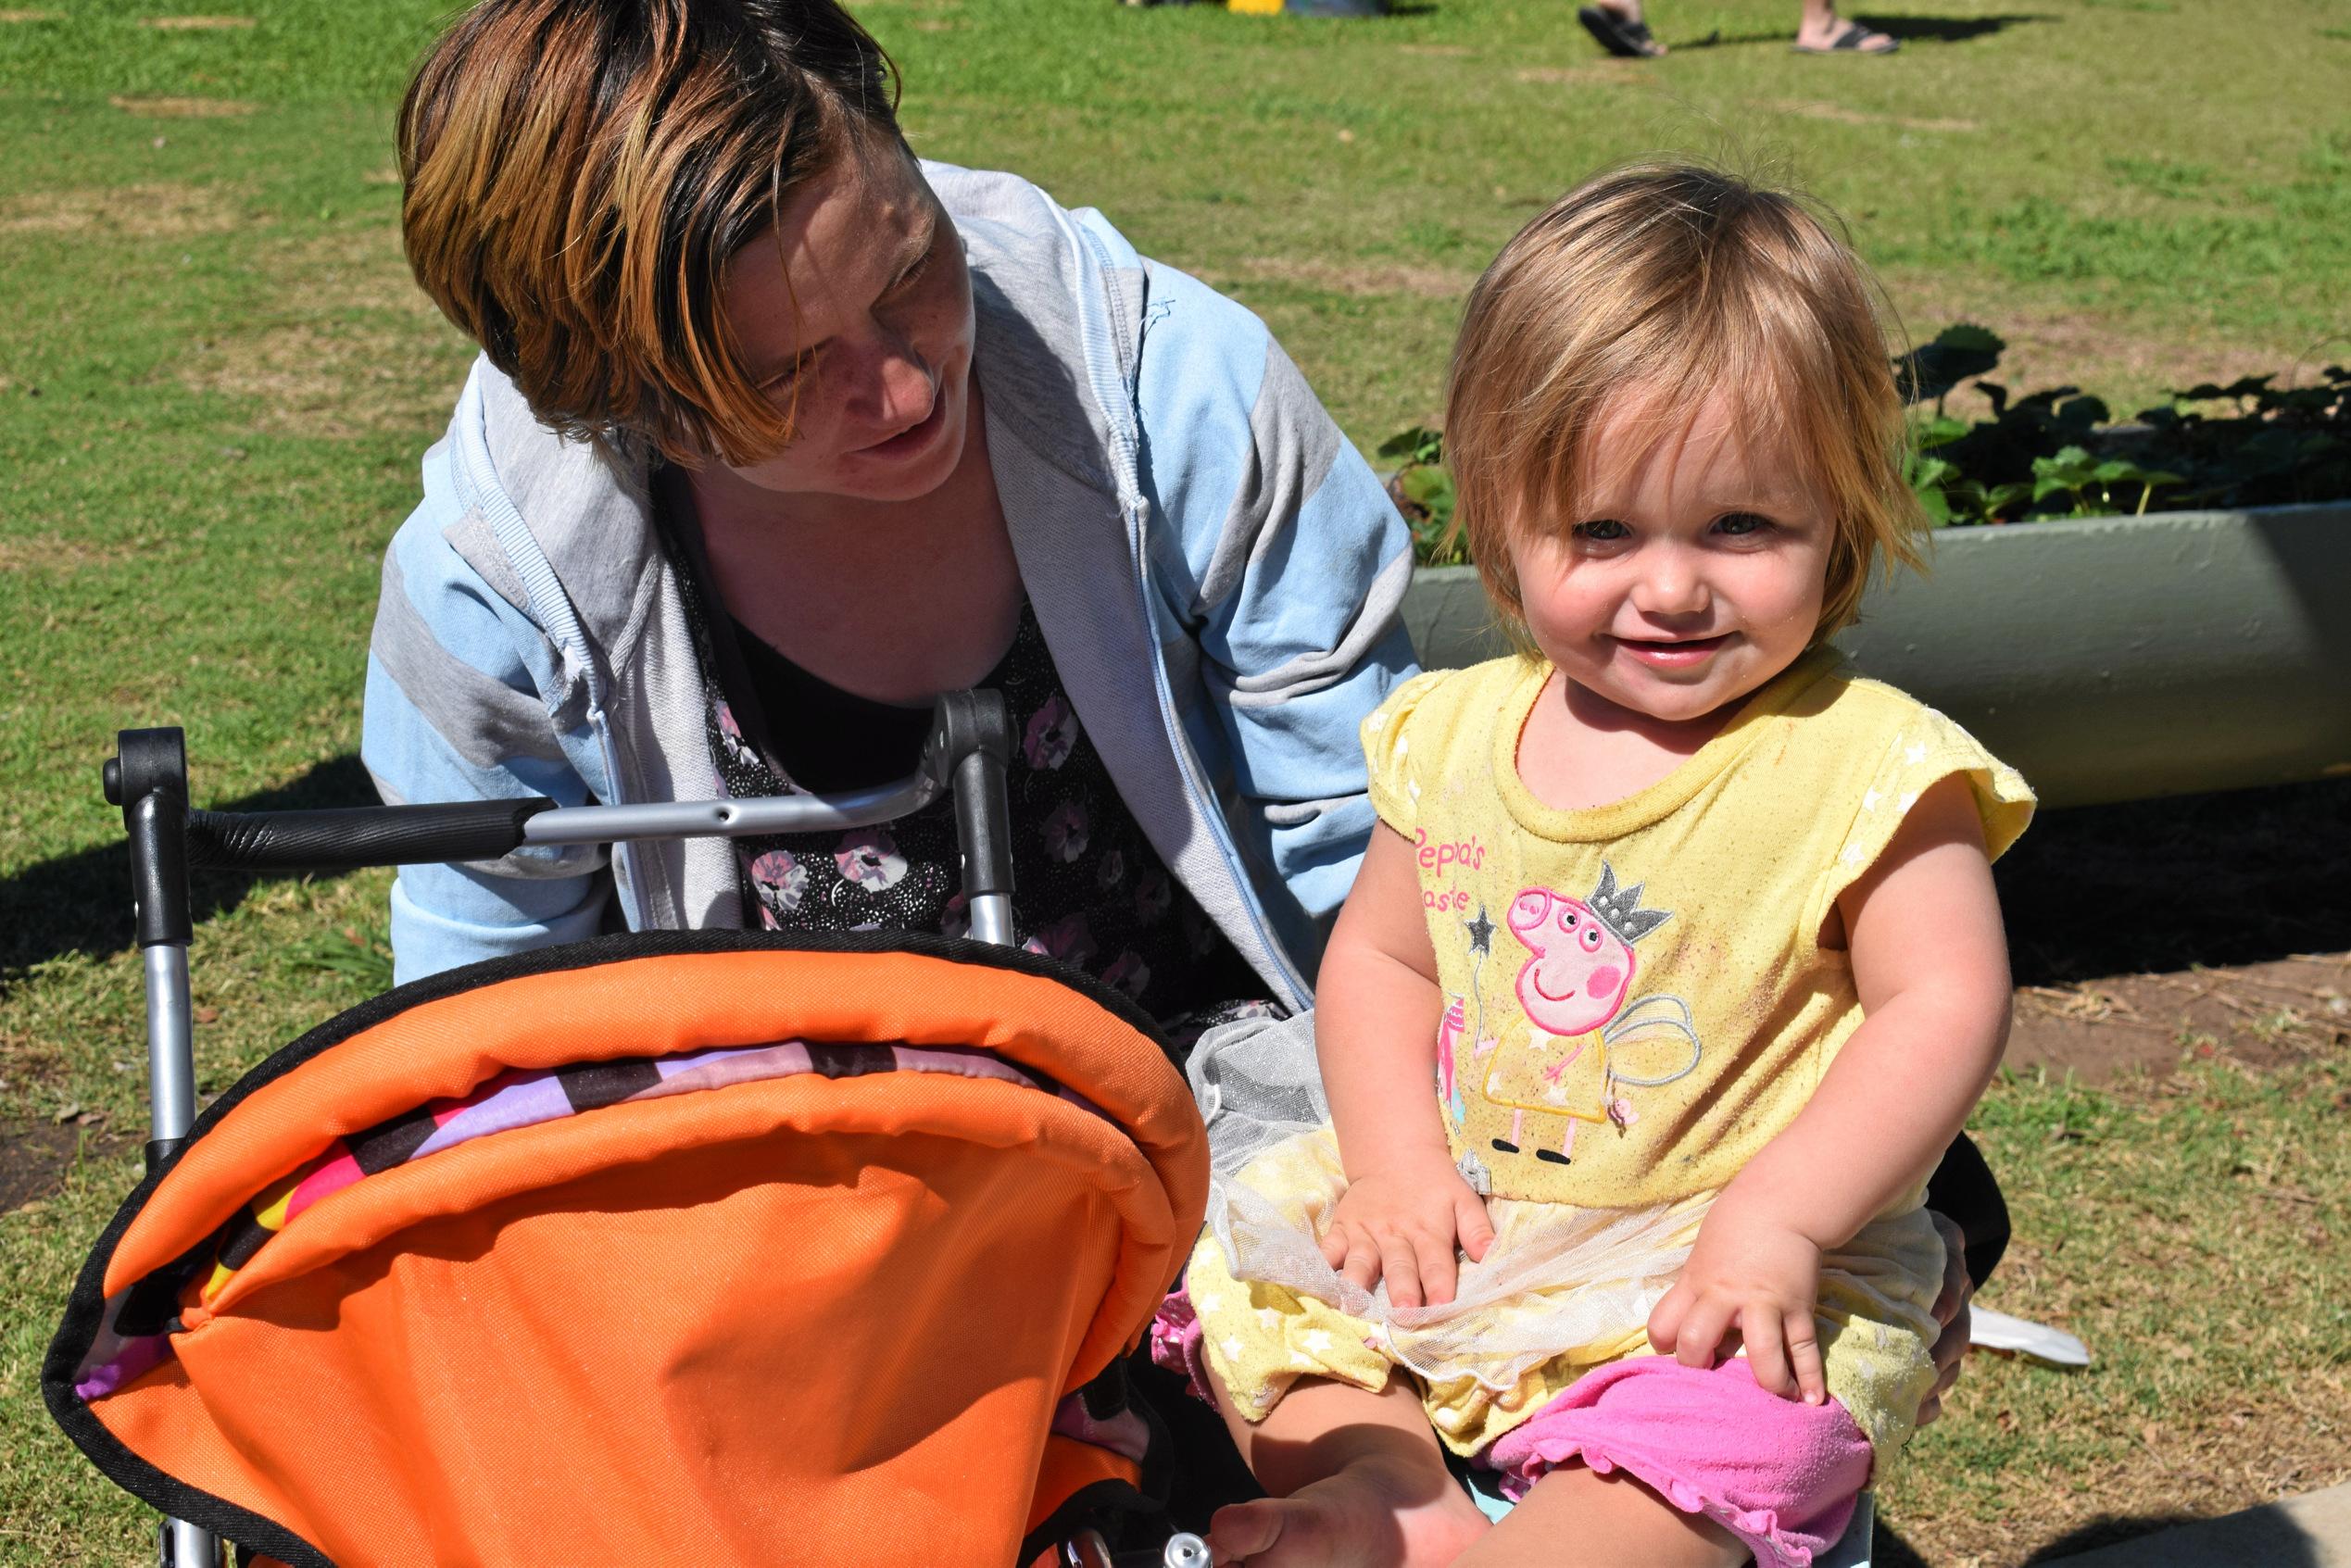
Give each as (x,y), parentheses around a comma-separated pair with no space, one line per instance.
(1376,1009)
(1930,966)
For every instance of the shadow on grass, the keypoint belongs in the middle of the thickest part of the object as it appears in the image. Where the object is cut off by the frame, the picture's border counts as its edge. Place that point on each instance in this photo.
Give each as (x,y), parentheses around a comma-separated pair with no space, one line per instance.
(1948,29)
(2236,878)
(81,903)
(1938,30)
(2272,1541)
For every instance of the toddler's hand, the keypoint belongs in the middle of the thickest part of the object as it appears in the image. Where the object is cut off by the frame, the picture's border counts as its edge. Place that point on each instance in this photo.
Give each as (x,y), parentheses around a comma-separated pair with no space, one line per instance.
(1402,1222)
(1760,1278)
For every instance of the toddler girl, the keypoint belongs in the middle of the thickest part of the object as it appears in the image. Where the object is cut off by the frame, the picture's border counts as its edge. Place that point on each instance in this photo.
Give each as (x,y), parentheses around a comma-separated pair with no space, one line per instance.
(1692,929)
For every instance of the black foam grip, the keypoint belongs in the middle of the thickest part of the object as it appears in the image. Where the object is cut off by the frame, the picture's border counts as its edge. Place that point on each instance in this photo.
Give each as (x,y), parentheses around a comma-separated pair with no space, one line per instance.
(364,836)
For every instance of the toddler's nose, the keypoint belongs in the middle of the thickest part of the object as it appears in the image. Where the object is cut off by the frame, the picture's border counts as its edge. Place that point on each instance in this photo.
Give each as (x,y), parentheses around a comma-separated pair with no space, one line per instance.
(1671,586)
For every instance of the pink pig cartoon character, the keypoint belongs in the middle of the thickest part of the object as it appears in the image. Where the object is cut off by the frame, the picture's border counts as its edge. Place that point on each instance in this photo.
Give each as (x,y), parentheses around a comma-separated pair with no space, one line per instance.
(1572,990)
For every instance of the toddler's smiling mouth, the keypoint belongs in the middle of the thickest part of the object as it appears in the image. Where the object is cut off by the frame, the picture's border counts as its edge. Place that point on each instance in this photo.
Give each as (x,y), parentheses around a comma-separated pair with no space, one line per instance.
(1672,651)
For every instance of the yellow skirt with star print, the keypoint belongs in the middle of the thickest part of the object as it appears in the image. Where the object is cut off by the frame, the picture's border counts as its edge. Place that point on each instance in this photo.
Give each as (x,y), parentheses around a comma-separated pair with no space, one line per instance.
(1562,1292)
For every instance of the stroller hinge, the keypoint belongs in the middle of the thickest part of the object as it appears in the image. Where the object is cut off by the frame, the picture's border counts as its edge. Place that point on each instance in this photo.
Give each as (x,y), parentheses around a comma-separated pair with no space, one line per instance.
(969,749)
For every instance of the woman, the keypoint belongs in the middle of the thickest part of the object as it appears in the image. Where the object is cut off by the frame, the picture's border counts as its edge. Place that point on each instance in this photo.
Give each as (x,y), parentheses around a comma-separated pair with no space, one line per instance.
(776,434)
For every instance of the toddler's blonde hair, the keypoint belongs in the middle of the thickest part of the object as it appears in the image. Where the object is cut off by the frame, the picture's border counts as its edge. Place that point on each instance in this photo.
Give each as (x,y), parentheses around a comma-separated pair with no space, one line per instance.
(1675,281)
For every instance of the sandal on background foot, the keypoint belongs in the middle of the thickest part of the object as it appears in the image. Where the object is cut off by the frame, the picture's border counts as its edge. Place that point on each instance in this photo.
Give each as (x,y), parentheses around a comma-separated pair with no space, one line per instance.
(1621,36)
(1854,40)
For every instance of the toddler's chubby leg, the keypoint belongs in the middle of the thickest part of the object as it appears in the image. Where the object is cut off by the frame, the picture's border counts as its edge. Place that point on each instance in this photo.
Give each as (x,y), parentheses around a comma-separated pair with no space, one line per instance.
(1357,1482)
(1576,1516)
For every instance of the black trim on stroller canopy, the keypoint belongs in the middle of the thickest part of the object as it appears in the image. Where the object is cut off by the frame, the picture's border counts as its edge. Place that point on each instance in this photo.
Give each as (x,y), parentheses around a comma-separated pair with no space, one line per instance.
(85,1309)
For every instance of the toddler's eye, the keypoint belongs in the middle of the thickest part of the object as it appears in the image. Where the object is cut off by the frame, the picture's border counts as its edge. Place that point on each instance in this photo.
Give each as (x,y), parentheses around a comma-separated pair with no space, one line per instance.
(1603,530)
(1739,523)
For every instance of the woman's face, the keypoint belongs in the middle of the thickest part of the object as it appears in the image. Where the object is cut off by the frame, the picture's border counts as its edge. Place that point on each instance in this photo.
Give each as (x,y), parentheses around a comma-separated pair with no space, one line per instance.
(869,343)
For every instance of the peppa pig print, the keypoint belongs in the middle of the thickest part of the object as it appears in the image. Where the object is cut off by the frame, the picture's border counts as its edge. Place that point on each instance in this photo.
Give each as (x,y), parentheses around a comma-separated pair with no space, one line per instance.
(1575,991)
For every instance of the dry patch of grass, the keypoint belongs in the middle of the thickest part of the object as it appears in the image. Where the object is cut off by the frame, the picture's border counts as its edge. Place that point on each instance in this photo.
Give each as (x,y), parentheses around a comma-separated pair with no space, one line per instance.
(2188,1227)
(1359,279)
(350,346)
(1437,51)
(196,24)
(1811,109)
(146,211)
(1571,76)
(7,17)
(56,554)
(2207,1457)
(182,108)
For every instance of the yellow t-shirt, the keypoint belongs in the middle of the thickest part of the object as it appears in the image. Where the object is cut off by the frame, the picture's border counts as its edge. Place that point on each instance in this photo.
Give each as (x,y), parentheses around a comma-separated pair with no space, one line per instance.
(1637,995)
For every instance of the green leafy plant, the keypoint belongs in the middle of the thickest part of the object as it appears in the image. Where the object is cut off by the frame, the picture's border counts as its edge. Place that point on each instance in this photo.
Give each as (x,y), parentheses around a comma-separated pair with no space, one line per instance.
(2058,452)
(2055,453)
(1423,491)
(2074,473)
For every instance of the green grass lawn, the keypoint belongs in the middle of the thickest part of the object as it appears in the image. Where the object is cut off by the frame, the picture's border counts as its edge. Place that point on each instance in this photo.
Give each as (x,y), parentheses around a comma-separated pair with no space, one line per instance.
(216,381)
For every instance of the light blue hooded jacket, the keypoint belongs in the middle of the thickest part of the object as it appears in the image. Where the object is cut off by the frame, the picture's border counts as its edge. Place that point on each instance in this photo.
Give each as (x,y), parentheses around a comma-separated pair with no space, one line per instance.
(1216,571)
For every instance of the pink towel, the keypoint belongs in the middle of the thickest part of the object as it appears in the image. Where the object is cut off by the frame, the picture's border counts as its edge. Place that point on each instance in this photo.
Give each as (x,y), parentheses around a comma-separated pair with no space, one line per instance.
(1779,1473)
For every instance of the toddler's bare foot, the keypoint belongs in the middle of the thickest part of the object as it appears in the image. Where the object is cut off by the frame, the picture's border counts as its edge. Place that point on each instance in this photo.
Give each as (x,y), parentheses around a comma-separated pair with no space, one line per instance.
(1374,1512)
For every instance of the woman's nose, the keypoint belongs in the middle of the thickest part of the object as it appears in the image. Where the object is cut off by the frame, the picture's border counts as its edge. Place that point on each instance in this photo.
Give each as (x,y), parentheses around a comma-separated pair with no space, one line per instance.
(895,383)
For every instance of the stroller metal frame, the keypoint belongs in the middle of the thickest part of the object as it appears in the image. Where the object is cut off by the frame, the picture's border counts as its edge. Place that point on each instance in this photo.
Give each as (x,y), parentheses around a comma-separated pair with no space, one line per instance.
(966,755)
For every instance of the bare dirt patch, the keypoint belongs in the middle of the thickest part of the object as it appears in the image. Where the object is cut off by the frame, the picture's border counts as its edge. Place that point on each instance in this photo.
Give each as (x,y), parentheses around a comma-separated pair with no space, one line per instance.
(183,108)
(7,17)
(1361,277)
(35,1155)
(351,347)
(2260,1014)
(196,24)
(2159,932)
(144,211)
(1843,115)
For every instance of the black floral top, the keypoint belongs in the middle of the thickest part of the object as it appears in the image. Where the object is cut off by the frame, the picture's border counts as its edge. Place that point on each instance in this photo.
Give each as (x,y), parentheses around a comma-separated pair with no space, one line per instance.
(1089,888)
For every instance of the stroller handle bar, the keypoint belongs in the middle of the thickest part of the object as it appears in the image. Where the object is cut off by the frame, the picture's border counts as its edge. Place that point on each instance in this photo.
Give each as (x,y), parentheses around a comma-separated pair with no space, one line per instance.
(352,837)
(969,748)
(970,740)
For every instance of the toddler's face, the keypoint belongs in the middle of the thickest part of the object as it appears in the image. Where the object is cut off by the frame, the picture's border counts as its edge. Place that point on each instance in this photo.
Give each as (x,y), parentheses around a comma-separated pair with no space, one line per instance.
(1693,572)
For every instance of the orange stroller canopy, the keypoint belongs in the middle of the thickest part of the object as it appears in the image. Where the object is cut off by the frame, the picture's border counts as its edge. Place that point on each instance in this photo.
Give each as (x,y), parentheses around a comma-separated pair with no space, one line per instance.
(668,1247)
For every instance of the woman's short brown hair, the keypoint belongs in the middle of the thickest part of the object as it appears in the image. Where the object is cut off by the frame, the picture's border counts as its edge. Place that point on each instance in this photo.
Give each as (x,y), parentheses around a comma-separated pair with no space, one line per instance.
(578,173)
(1675,281)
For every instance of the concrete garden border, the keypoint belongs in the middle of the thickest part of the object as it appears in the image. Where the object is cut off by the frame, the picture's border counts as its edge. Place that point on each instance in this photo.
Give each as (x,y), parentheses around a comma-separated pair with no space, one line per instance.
(2107,659)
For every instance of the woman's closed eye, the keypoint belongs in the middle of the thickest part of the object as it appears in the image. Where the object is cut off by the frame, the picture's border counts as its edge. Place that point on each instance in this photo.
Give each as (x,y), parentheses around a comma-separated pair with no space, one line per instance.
(914,274)
(781,380)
